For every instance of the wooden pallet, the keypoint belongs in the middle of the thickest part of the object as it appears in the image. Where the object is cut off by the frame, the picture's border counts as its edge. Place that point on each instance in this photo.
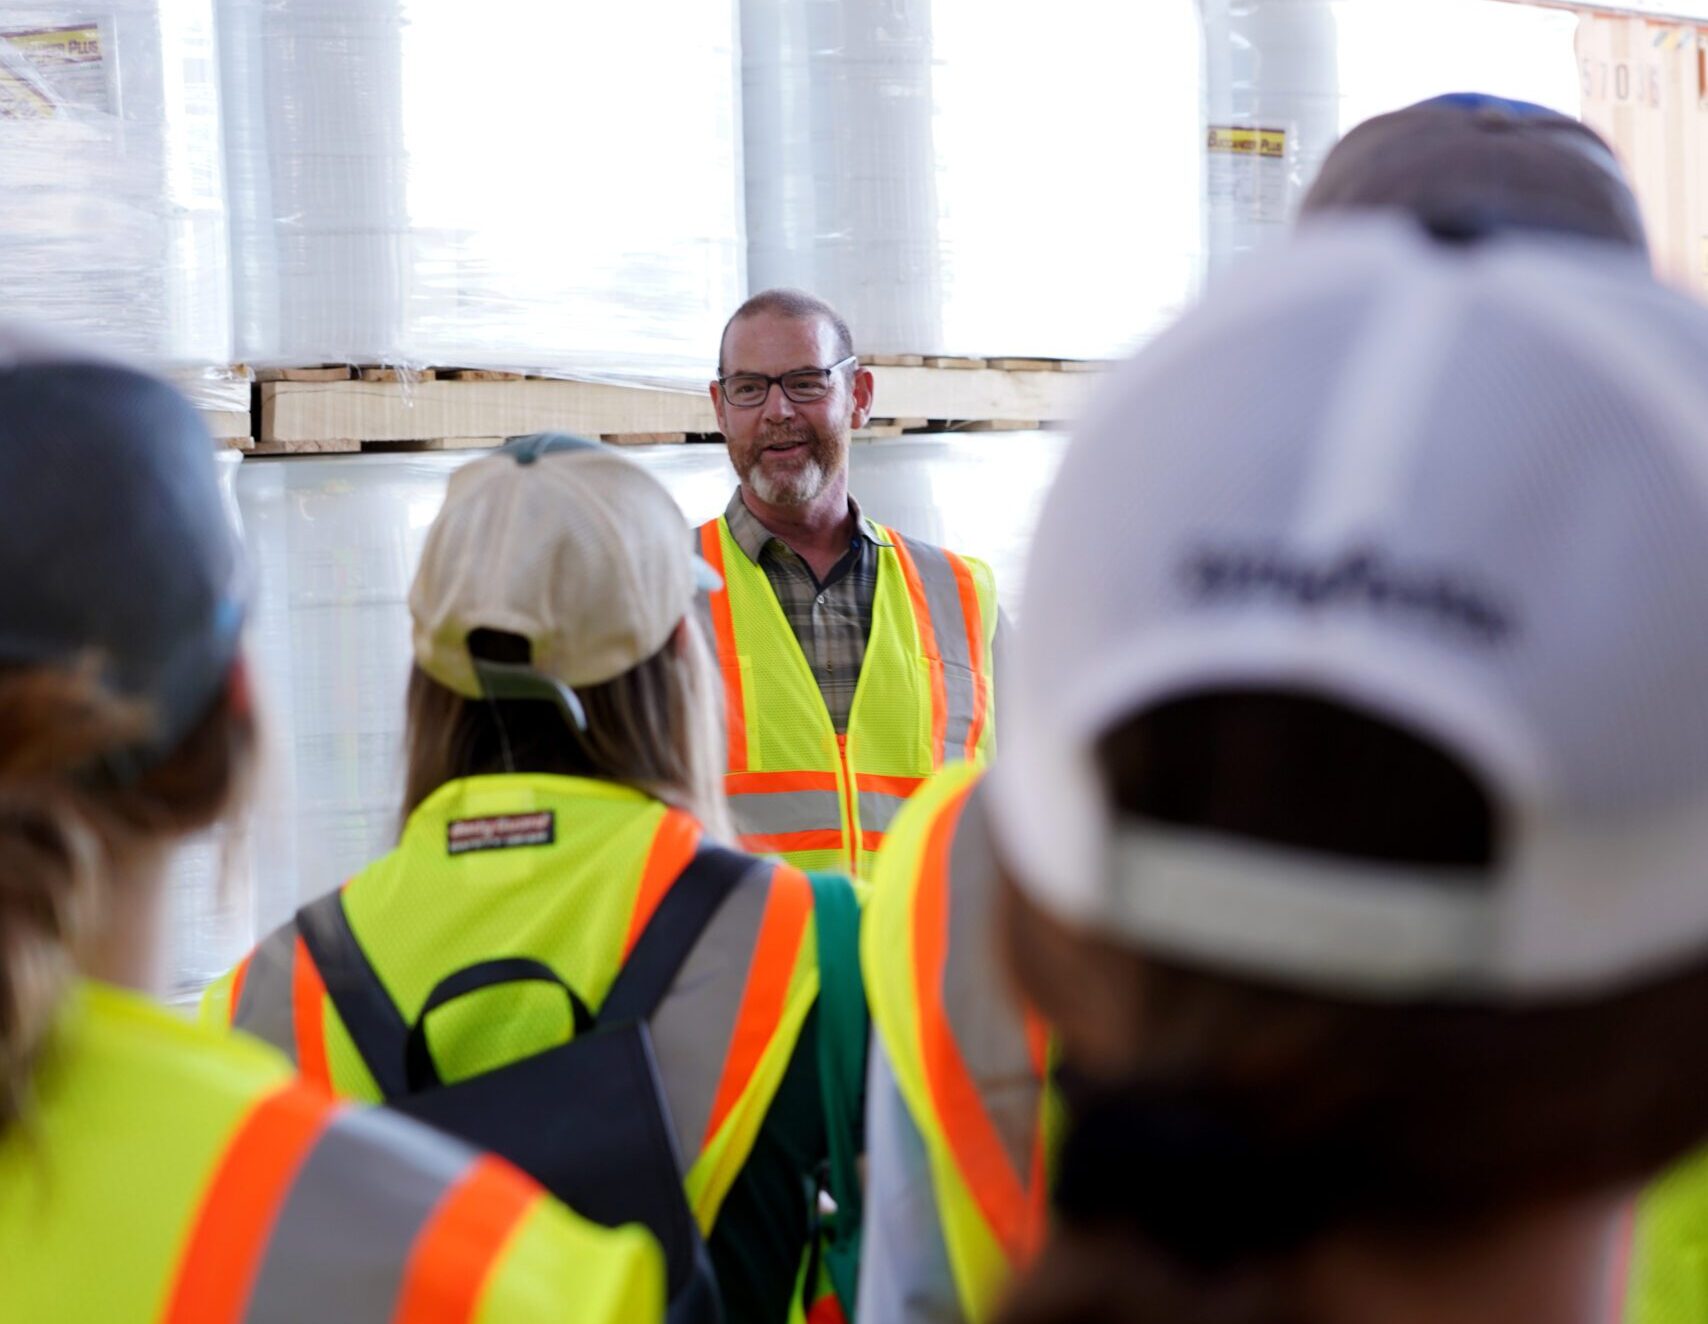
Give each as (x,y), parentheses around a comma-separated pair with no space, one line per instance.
(322,410)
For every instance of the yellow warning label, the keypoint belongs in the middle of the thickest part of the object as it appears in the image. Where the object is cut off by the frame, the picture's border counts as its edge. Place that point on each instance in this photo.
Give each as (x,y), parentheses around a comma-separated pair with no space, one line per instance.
(45,70)
(1269,144)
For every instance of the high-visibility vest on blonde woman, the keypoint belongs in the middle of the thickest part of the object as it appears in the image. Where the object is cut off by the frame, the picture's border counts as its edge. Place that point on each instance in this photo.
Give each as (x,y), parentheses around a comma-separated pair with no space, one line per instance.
(168,1176)
(797,788)
(565,871)
(969,1063)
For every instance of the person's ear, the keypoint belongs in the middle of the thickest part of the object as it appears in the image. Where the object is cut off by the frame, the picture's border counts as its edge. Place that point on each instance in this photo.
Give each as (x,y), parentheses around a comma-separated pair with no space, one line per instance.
(717,393)
(865,387)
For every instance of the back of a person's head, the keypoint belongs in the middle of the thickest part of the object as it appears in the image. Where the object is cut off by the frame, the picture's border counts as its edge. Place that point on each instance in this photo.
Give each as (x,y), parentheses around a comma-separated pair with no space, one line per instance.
(123,723)
(1351,812)
(555,632)
(1472,164)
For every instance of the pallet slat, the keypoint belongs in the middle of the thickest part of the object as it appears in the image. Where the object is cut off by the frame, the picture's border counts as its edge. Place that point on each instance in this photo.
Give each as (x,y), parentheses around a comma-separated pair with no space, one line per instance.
(302,414)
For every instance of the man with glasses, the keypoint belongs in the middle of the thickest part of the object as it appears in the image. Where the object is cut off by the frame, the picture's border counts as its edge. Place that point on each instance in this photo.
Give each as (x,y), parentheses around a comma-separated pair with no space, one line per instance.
(855,661)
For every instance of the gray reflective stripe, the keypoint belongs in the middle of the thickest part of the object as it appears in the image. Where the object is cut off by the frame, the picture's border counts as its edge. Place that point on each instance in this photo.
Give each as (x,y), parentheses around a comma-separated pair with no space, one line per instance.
(786,811)
(987,1025)
(342,1242)
(264,1010)
(878,809)
(692,1027)
(949,624)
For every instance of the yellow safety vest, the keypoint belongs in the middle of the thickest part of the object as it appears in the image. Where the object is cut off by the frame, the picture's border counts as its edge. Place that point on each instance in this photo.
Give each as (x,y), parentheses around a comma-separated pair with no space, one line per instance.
(923,700)
(1668,1277)
(168,1176)
(567,871)
(969,1063)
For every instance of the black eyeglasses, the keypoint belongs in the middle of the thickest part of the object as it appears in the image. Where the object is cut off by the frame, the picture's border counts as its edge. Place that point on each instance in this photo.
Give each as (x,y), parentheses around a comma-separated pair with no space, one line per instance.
(749,390)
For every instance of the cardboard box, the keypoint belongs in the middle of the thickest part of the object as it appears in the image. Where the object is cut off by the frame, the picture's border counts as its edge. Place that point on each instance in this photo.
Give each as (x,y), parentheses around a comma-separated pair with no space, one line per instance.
(1645,89)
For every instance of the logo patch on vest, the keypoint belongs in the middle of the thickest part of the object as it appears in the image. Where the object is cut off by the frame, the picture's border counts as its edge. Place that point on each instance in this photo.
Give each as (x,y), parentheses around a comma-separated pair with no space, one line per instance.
(470,834)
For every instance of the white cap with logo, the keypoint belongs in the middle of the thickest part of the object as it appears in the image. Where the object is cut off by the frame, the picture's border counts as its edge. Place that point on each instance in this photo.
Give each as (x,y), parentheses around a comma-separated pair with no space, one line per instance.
(565,543)
(1461,487)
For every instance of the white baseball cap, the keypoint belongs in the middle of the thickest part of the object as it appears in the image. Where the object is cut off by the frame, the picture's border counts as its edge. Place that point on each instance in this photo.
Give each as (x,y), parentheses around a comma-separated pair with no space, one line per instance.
(565,543)
(1460,487)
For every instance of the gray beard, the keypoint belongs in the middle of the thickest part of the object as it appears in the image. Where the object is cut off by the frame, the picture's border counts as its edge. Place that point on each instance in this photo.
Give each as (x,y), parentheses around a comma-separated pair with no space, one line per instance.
(796,490)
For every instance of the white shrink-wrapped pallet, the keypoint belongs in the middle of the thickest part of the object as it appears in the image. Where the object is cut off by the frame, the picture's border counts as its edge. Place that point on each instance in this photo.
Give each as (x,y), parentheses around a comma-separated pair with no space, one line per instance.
(545,186)
(112,196)
(1286,78)
(977,177)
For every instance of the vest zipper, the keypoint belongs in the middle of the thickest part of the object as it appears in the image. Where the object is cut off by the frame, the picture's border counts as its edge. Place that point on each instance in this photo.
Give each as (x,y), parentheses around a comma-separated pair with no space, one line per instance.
(848,781)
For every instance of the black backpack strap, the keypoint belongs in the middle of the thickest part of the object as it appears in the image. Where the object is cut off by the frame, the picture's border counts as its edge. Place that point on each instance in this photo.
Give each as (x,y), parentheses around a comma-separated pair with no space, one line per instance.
(374,1023)
(663,946)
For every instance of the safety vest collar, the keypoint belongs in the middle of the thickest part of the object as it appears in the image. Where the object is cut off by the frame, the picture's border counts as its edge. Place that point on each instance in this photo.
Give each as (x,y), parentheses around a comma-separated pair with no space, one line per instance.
(451,799)
(752,537)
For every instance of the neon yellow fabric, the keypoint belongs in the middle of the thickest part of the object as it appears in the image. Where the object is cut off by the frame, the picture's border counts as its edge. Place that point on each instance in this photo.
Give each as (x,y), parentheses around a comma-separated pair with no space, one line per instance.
(1669,1254)
(555,1259)
(977,1258)
(788,728)
(134,1111)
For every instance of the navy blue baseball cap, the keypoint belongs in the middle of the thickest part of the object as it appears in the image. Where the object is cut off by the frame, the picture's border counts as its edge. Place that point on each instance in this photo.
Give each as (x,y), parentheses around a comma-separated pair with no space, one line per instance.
(115,544)
(1468,165)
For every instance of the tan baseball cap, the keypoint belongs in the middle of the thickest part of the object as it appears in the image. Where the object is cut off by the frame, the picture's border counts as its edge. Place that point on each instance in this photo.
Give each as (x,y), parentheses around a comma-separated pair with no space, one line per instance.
(566,543)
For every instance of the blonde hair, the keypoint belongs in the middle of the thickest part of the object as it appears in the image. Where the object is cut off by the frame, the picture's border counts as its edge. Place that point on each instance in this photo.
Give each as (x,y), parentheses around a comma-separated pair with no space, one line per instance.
(657,727)
(64,821)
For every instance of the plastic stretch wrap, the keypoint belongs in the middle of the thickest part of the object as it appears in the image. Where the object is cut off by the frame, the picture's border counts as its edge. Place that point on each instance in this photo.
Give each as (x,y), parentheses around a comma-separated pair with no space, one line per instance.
(335,544)
(1285,78)
(966,178)
(112,209)
(550,186)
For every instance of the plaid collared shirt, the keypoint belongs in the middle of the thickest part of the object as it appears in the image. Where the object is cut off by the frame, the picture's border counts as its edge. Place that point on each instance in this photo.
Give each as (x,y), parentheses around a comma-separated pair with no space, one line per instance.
(831,620)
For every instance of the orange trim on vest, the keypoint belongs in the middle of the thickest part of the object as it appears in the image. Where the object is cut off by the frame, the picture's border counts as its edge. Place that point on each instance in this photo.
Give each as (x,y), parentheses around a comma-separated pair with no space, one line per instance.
(787,910)
(973,615)
(901,787)
(780,843)
(308,1017)
(228,1238)
(927,645)
(870,841)
(673,846)
(237,977)
(778,783)
(995,1186)
(723,624)
(454,1255)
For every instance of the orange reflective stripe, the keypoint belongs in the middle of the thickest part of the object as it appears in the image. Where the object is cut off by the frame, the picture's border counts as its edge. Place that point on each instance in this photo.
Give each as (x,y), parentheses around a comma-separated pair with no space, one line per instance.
(778,783)
(973,614)
(237,977)
(308,1018)
(768,977)
(972,1136)
(782,843)
(723,625)
(226,1244)
(454,1255)
(897,786)
(927,644)
(673,846)
(870,841)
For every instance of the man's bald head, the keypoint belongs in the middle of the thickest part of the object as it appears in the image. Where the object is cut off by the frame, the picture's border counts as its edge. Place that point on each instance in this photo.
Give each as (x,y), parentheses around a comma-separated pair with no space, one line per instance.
(793,304)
